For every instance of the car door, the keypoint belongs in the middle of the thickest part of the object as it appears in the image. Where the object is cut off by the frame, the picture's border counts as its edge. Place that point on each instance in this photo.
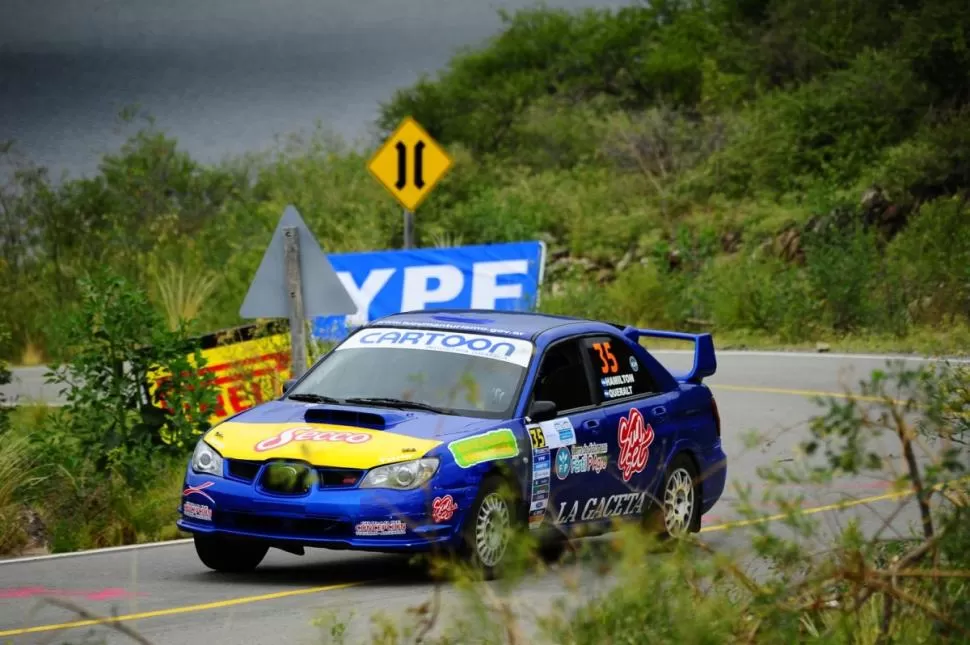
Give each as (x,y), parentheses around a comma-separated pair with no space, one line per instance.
(636,424)
(563,378)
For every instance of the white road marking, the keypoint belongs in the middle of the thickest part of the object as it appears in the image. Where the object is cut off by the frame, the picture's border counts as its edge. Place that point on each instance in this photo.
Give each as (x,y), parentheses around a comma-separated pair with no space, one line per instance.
(110,549)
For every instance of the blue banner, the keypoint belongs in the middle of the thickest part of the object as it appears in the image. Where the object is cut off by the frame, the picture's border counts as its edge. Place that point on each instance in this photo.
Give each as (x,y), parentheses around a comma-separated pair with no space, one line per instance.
(486,276)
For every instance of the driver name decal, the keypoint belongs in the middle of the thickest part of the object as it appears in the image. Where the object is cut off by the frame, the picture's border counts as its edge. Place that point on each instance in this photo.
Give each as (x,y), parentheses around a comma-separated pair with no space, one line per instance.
(512,350)
(307,434)
(634,440)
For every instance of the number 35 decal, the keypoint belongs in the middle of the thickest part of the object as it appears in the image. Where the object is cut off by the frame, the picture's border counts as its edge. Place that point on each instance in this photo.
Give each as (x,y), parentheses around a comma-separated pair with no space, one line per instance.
(608,360)
(537,436)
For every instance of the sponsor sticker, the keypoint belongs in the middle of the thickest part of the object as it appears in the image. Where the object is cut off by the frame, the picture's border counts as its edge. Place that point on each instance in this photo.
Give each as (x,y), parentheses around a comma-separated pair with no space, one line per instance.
(541,473)
(563,463)
(385,527)
(200,490)
(589,457)
(634,439)
(596,508)
(443,508)
(490,446)
(634,365)
(197,511)
(309,434)
(511,350)
(557,432)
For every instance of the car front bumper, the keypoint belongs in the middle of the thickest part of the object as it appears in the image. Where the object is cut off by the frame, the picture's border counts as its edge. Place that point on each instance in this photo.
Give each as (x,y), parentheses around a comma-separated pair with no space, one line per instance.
(347,518)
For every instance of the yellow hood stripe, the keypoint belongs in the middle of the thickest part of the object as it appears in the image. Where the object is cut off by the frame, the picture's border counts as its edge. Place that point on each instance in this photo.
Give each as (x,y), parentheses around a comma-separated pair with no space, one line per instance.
(320,444)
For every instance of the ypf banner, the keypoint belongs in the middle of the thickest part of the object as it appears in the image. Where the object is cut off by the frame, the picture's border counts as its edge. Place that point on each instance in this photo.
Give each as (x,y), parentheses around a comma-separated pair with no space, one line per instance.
(487,276)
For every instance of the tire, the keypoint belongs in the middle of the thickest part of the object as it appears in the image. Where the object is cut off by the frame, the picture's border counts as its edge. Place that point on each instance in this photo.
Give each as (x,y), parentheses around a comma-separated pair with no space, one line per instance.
(228,555)
(491,525)
(679,509)
(554,549)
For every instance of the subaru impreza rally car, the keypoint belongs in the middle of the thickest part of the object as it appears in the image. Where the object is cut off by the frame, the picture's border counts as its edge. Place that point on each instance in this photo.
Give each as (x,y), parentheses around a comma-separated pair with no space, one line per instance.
(445,429)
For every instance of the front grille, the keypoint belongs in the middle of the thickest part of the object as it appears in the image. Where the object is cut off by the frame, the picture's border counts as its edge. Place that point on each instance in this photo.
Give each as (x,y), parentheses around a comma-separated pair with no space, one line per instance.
(284,478)
(338,477)
(242,469)
(245,470)
(292,526)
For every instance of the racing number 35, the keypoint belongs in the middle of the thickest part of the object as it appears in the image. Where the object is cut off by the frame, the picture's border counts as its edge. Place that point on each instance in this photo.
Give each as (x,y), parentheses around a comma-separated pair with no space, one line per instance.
(607,359)
(538,438)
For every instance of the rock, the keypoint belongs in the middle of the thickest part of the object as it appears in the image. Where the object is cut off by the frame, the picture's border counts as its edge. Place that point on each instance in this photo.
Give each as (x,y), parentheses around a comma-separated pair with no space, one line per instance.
(730,241)
(822,347)
(625,261)
(788,245)
(674,259)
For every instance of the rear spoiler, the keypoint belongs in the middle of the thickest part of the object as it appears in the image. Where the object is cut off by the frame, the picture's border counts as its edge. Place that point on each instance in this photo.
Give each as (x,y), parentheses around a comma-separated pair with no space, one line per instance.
(705,364)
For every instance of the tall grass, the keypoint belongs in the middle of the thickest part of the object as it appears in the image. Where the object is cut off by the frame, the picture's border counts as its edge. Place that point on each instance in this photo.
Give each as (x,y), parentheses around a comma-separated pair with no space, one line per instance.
(19,478)
(183,292)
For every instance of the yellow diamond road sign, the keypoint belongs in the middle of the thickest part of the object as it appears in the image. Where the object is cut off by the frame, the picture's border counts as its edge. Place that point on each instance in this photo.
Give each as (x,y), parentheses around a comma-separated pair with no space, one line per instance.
(410,164)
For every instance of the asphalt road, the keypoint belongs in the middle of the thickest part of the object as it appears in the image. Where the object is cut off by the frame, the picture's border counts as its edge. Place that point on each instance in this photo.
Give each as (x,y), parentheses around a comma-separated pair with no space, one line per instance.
(167,596)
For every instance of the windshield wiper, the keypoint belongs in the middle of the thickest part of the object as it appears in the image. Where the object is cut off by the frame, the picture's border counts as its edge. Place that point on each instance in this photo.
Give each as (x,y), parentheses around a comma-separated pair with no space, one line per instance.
(395,403)
(314,398)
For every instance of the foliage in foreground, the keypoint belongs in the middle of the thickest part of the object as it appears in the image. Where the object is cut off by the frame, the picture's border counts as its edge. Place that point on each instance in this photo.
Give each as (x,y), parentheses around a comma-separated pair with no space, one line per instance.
(110,459)
(773,169)
(809,581)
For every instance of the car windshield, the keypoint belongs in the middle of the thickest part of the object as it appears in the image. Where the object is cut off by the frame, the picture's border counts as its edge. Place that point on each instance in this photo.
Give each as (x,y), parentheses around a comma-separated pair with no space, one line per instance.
(444,371)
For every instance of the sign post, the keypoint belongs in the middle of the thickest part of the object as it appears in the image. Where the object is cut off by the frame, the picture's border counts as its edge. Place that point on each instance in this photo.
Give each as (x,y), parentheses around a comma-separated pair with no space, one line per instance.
(409,165)
(279,288)
(294,290)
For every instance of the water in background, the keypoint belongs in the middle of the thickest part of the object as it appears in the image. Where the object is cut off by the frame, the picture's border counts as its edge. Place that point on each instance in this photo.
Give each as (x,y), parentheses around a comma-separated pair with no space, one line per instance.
(223,76)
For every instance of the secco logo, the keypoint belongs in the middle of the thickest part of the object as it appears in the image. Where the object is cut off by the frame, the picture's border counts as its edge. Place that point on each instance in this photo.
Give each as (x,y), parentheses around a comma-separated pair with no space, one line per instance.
(297,434)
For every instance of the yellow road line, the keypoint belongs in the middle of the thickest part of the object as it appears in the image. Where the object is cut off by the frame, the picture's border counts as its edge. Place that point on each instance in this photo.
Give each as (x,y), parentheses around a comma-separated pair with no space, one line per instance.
(185,609)
(838,506)
(779,390)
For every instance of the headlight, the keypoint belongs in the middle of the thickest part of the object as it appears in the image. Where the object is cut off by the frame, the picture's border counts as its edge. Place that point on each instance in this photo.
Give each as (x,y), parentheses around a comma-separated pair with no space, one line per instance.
(206,460)
(405,475)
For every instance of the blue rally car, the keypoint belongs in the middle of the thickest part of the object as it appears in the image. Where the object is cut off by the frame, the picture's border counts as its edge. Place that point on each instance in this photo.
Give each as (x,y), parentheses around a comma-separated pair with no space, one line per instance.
(450,430)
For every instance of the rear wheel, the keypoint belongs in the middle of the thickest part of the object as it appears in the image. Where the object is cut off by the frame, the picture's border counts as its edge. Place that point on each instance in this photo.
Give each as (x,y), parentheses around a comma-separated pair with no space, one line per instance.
(679,509)
(229,555)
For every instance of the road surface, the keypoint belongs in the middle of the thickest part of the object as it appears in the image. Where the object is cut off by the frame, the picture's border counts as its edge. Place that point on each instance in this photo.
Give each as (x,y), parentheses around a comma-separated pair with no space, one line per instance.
(165,595)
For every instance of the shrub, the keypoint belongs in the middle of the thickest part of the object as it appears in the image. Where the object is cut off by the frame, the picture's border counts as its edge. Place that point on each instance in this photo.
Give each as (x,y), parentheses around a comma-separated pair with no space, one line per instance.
(116,342)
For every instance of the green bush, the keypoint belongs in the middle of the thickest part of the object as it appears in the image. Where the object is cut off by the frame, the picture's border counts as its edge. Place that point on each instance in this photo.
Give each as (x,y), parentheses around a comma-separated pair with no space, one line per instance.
(115,342)
(930,263)
(827,130)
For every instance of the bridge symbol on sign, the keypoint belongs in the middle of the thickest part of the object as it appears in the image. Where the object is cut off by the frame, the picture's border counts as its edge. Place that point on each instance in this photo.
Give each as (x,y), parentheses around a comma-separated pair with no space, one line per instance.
(410,164)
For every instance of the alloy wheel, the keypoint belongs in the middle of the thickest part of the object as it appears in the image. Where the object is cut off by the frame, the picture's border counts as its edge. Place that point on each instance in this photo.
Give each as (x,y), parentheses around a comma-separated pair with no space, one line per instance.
(678,502)
(492,529)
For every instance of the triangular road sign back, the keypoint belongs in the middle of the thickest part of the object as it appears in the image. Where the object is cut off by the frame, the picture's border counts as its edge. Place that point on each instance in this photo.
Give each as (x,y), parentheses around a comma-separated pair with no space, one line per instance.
(323,292)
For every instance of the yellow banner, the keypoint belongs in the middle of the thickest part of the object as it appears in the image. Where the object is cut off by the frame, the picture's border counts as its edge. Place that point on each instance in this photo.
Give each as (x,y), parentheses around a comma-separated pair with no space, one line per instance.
(246,373)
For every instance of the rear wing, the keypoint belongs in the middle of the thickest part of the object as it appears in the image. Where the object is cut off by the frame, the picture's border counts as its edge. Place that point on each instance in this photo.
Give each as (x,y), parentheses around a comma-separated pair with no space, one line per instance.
(705,364)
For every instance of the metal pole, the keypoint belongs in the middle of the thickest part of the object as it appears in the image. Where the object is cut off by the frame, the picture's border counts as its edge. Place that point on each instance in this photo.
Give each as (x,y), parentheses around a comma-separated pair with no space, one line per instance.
(408,229)
(294,289)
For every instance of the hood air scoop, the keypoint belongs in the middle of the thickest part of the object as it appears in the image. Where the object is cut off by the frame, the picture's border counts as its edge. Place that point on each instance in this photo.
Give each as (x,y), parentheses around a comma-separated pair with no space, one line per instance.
(336,416)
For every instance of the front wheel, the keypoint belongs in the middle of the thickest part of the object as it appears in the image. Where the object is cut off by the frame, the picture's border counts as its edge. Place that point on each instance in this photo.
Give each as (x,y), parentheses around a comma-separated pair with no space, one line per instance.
(228,555)
(490,527)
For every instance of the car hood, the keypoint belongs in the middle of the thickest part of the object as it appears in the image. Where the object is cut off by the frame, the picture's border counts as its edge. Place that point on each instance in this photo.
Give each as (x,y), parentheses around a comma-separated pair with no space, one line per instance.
(338,436)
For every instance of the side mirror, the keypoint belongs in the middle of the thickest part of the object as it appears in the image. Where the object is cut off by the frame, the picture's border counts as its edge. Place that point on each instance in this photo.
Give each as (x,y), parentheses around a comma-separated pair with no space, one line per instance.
(542,410)
(287,384)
